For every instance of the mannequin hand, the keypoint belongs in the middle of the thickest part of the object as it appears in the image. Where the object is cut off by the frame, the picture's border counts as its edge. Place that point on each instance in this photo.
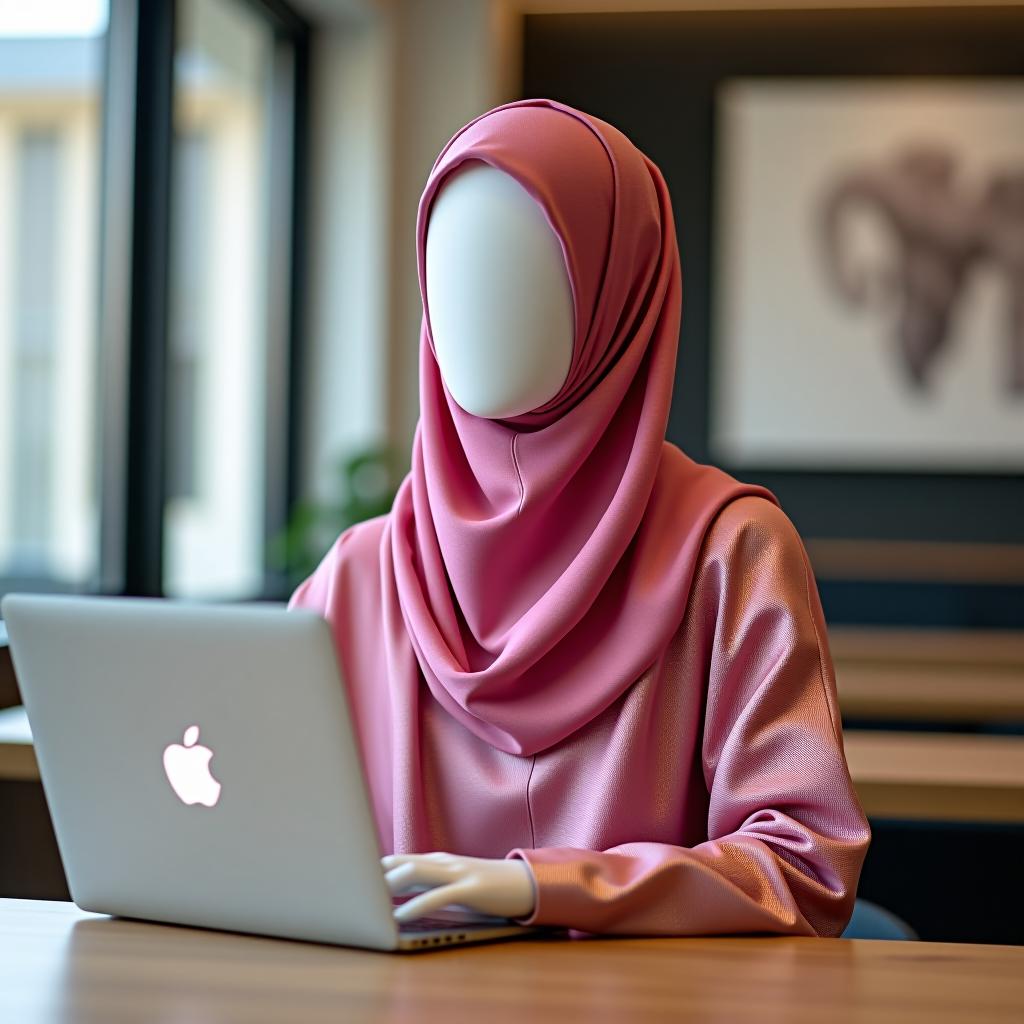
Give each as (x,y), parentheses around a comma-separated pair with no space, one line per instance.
(504,888)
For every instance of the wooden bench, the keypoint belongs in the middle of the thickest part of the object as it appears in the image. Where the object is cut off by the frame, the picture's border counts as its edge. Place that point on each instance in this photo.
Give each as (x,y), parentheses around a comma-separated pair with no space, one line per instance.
(929,675)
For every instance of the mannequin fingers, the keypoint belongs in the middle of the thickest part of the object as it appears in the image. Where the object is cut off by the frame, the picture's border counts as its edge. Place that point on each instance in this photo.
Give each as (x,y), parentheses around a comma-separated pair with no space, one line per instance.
(433,900)
(418,874)
(401,879)
(394,860)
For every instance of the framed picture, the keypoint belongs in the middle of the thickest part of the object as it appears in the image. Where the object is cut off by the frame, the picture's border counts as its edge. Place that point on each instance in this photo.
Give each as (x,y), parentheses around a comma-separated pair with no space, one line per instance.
(870,274)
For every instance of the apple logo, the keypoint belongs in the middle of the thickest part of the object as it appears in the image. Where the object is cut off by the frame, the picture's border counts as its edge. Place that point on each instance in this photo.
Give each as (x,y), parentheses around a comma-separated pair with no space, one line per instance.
(188,770)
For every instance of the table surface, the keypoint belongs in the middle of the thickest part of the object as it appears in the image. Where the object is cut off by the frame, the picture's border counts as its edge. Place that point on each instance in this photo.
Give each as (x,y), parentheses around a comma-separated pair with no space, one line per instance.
(59,964)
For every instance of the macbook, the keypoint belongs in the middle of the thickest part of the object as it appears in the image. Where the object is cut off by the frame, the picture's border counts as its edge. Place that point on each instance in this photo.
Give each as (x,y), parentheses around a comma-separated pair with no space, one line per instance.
(201,768)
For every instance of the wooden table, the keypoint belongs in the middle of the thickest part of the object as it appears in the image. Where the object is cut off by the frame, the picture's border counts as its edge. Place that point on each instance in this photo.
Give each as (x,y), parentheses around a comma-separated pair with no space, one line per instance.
(58,964)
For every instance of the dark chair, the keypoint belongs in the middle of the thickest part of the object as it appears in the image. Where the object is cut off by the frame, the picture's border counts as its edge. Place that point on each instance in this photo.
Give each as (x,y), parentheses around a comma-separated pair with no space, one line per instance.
(870,921)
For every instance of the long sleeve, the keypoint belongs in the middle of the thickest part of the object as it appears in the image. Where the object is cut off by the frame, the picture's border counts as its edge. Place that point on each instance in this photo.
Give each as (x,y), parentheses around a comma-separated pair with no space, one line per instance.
(786,835)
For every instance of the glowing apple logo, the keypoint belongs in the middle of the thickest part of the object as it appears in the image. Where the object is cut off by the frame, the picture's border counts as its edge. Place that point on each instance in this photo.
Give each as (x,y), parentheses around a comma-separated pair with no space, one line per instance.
(188,770)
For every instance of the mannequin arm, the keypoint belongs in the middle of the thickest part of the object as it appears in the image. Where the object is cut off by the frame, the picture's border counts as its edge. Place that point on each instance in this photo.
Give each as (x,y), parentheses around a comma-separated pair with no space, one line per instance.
(503,888)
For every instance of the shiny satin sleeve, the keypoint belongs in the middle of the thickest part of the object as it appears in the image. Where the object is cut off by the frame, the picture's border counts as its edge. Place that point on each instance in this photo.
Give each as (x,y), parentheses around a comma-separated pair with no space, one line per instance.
(786,835)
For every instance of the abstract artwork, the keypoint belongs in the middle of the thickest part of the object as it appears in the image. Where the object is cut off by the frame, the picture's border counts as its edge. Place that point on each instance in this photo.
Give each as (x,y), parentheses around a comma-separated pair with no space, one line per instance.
(869,298)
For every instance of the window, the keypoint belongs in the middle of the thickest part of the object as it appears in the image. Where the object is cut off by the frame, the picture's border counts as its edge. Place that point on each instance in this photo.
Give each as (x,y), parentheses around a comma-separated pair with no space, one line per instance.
(50,82)
(190,290)
(149,306)
(35,306)
(214,519)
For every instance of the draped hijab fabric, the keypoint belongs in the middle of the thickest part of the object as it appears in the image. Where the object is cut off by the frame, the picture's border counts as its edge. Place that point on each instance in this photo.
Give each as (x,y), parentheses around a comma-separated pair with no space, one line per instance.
(542,563)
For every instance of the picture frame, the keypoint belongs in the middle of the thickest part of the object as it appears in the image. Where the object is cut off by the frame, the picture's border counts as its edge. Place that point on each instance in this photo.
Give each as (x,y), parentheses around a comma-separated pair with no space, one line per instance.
(869,284)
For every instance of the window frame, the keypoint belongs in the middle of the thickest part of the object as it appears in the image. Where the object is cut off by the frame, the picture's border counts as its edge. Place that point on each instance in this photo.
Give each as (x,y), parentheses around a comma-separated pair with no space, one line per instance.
(137,147)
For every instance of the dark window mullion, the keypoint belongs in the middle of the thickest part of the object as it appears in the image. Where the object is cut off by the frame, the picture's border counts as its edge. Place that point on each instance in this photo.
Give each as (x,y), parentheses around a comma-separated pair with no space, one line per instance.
(285,297)
(137,153)
(298,277)
(138,146)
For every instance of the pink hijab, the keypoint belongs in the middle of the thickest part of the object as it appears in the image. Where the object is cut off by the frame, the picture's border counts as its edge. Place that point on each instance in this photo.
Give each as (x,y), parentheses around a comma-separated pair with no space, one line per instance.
(543,563)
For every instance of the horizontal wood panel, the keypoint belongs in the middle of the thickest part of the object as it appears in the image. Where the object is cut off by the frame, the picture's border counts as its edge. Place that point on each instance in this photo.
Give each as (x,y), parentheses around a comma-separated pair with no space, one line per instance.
(938,777)
(950,695)
(9,695)
(917,561)
(929,675)
(17,755)
(17,762)
(970,648)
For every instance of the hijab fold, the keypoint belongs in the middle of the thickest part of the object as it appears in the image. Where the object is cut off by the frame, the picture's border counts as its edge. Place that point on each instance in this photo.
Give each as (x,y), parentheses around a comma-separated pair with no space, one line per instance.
(542,563)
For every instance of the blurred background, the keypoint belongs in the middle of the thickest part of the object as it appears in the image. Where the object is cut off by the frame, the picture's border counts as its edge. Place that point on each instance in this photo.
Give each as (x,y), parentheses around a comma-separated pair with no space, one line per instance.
(209,321)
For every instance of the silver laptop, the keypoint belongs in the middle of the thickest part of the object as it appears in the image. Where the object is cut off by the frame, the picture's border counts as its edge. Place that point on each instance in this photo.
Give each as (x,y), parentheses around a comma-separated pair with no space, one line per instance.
(201,769)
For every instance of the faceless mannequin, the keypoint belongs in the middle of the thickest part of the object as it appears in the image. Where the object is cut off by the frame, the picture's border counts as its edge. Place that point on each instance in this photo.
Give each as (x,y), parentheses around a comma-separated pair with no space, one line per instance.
(498,292)
(501,315)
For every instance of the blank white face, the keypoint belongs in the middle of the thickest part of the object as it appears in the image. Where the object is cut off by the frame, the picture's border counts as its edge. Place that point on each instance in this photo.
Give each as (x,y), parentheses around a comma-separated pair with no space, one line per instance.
(498,291)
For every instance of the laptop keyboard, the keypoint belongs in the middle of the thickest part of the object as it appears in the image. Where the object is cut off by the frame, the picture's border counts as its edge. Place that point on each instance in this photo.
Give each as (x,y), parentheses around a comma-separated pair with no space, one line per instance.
(440,924)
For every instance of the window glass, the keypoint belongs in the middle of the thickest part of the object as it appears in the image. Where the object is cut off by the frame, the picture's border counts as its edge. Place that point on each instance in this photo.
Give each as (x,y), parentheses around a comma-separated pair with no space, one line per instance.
(214,518)
(51,60)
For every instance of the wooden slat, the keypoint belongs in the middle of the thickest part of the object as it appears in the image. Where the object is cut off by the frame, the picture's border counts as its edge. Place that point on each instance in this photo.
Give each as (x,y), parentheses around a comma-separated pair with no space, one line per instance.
(8,685)
(970,648)
(916,561)
(929,694)
(932,675)
(17,755)
(937,776)
(57,965)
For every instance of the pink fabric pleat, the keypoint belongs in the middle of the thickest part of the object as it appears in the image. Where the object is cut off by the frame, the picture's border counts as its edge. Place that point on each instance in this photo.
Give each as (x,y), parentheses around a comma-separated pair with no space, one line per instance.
(542,563)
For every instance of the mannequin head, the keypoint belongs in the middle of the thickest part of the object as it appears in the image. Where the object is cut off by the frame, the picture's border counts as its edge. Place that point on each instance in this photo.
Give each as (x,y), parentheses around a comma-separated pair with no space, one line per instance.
(498,292)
